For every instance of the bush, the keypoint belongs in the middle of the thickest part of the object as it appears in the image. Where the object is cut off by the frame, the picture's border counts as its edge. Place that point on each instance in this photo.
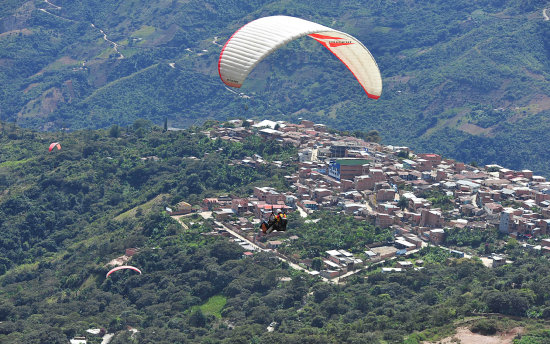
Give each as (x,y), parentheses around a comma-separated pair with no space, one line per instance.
(486,327)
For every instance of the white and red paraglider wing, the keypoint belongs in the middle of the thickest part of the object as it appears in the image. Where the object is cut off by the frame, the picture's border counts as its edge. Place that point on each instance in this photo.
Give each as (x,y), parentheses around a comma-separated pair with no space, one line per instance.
(249,45)
(256,40)
(53,145)
(356,57)
(121,268)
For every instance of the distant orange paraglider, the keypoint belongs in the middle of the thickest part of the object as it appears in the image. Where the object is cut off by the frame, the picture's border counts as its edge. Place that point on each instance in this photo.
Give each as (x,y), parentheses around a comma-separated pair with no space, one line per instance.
(121,268)
(55,144)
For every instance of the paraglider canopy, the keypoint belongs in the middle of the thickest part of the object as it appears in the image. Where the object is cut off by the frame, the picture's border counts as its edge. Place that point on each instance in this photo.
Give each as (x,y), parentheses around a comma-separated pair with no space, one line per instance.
(55,144)
(121,268)
(256,40)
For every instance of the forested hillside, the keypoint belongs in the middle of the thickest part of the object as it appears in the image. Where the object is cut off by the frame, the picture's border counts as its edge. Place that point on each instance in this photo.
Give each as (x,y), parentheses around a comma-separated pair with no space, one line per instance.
(467,80)
(65,214)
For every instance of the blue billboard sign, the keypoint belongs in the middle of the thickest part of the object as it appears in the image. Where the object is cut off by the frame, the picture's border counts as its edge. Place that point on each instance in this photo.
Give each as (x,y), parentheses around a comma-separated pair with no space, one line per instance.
(334,170)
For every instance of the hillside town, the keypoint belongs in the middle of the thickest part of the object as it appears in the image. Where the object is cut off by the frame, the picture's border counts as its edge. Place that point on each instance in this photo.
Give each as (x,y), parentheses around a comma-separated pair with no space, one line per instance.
(383,185)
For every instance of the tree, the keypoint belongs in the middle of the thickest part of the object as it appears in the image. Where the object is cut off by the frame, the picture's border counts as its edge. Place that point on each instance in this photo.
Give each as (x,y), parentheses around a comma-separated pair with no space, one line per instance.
(114,131)
(403,202)
(403,154)
(318,321)
(224,250)
(197,318)
(317,263)
(141,123)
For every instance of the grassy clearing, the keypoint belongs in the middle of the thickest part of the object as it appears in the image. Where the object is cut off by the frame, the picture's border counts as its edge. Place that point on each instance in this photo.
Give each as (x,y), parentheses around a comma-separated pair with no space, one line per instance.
(14,163)
(144,31)
(145,207)
(213,306)
(382,29)
(89,282)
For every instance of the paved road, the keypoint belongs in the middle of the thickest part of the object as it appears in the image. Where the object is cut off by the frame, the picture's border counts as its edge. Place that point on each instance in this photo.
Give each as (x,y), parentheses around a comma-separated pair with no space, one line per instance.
(314,154)
(206,214)
(486,261)
(258,248)
(237,235)
(301,211)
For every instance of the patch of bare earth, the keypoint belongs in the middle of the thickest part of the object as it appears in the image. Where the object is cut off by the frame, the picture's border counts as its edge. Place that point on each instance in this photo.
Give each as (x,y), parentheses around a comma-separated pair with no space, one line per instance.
(118,261)
(64,60)
(399,79)
(536,104)
(25,32)
(465,336)
(423,51)
(301,111)
(449,123)
(50,100)
(474,129)
(47,103)
(6,62)
(540,102)
(533,75)
(28,88)
(334,109)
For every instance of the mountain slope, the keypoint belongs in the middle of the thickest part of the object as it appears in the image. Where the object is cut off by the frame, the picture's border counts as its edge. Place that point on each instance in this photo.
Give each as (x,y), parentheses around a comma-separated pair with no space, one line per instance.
(456,75)
(65,214)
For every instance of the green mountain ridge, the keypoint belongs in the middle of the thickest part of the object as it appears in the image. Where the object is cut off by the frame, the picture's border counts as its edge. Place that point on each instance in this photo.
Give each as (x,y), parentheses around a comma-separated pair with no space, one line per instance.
(469,81)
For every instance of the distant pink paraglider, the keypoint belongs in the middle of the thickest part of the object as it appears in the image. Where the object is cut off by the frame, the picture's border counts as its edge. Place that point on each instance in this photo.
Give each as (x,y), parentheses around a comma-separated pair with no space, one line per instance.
(121,268)
(55,144)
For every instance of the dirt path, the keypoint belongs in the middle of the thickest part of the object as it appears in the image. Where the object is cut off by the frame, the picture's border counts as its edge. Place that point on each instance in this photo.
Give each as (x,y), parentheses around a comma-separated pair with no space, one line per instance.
(178,218)
(107,338)
(465,336)
(54,6)
(55,15)
(232,91)
(115,45)
(215,41)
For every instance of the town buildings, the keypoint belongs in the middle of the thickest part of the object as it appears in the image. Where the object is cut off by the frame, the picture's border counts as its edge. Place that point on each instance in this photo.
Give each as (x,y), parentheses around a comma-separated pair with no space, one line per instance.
(417,195)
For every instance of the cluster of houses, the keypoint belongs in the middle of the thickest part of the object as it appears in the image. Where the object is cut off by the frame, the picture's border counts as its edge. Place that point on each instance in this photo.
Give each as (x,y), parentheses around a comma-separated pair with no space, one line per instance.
(385,184)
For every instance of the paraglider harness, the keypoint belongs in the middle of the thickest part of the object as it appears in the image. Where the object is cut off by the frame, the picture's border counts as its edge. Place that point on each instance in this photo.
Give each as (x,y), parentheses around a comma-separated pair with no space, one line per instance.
(276,222)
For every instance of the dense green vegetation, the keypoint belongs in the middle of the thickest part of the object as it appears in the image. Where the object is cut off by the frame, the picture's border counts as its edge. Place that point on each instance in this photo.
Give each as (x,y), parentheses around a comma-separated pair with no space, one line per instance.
(466,80)
(438,199)
(468,237)
(469,81)
(541,336)
(65,214)
(50,198)
(331,231)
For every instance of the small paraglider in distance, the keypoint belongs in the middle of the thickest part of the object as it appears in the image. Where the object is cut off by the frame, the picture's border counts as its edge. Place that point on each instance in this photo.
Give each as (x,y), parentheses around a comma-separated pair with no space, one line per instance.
(53,145)
(253,42)
(122,268)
